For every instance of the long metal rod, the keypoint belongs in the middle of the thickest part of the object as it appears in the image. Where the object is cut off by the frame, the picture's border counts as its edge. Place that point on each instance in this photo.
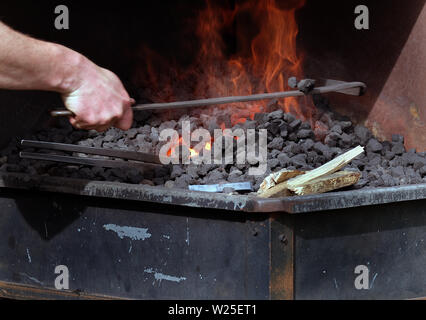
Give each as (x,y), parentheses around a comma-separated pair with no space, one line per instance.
(116,153)
(86,161)
(231,203)
(343,87)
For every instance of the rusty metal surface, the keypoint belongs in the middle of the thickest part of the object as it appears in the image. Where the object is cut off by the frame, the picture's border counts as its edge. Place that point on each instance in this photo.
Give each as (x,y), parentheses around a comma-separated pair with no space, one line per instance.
(232,203)
(401,104)
(282,258)
(389,58)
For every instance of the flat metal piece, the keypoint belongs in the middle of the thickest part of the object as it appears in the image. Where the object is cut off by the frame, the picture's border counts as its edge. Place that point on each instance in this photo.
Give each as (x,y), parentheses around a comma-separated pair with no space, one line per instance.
(355,91)
(116,153)
(237,186)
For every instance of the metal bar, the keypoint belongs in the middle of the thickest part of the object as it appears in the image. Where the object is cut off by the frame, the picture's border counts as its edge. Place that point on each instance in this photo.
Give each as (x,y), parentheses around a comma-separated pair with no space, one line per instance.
(339,87)
(86,161)
(19,291)
(124,154)
(237,186)
(233,203)
(254,97)
(126,191)
(341,199)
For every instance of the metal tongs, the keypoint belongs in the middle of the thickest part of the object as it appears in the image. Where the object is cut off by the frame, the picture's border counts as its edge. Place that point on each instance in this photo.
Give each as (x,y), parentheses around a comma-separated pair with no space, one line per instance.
(123,158)
(349,88)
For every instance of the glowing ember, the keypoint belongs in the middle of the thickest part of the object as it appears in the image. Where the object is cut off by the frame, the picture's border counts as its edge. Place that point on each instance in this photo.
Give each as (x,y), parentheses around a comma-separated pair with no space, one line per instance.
(192,152)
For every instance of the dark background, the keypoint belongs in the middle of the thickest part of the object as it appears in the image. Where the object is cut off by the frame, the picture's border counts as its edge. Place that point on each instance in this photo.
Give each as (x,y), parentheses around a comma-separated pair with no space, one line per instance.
(111,34)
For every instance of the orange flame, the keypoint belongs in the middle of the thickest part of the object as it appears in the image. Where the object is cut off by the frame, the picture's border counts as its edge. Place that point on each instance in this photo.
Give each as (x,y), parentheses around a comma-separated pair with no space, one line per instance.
(264,56)
(192,152)
(264,66)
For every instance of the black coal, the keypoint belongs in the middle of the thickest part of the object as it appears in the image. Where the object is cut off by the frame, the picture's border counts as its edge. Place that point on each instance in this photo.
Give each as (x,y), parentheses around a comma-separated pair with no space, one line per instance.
(292,144)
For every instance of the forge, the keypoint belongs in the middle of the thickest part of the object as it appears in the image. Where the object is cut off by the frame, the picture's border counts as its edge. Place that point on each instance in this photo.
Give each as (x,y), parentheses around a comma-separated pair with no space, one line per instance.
(229,244)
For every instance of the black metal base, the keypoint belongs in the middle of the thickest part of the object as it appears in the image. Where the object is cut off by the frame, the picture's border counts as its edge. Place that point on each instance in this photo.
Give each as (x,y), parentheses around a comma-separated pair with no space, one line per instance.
(131,249)
(197,253)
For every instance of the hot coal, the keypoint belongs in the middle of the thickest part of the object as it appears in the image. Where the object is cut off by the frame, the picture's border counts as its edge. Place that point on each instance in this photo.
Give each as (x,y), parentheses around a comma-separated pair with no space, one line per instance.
(306,85)
(292,144)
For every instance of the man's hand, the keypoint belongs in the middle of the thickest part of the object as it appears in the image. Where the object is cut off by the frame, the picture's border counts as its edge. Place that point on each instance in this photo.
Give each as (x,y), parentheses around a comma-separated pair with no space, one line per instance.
(95,95)
(98,100)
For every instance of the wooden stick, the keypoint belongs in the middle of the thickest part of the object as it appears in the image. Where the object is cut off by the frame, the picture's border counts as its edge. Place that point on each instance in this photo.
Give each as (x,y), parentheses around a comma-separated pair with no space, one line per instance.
(329,182)
(279,190)
(326,169)
(278,177)
(293,185)
(322,184)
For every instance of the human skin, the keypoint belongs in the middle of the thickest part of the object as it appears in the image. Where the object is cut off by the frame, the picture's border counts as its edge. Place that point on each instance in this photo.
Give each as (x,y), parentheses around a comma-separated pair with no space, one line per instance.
(95,95)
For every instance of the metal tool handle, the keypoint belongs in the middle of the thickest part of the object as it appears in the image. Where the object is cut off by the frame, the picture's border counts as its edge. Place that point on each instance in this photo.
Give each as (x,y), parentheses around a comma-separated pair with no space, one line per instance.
(61,113)
(351,88)
(68,113)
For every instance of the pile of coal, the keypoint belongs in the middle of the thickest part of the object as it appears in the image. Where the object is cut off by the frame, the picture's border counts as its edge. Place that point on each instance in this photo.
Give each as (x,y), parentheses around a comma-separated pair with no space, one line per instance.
(291,143)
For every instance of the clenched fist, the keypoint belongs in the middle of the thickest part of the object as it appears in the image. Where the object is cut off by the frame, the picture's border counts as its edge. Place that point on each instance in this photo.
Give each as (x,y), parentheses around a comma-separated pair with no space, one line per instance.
(98,99)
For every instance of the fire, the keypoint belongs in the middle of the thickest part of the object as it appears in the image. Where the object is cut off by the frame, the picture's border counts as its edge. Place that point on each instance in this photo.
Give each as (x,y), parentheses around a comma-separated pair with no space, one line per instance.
(192,152)
(263,66)
(261,59)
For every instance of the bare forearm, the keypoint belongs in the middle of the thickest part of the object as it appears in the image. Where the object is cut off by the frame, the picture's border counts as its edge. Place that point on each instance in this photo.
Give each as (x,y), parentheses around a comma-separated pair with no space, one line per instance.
(95,95)
(27,63)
